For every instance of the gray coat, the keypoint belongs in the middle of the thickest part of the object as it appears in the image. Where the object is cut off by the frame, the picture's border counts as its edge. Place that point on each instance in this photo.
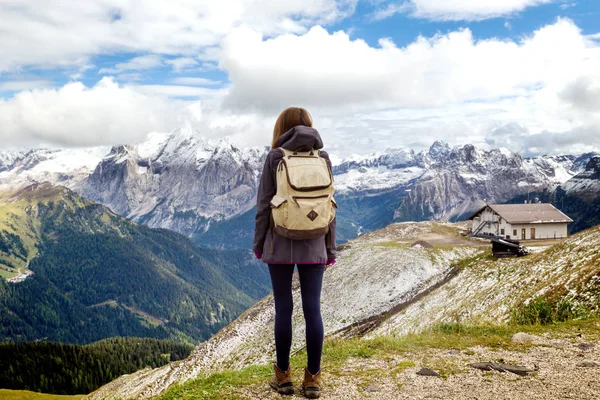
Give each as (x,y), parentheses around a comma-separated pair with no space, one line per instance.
(288,251)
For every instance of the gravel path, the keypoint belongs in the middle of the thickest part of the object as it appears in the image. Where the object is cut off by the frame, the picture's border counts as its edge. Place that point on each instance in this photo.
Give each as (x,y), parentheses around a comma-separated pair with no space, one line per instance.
(558,376)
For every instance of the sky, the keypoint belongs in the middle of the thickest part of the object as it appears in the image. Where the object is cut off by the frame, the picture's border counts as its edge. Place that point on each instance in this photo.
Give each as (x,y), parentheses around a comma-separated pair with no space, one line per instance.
(375,74)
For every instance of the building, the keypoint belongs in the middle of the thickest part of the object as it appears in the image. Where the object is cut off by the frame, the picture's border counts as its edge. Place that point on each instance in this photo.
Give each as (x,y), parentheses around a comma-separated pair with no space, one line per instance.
(520,221)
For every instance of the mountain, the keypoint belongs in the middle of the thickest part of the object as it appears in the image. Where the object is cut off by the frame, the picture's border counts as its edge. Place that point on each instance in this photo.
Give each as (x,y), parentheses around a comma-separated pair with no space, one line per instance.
(579,197)
(179,181)
(404,278)
(87,274)
(205,189)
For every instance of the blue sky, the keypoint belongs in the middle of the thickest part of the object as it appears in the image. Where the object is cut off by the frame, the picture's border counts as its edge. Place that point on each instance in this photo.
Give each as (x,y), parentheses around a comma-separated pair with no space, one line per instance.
(375,73)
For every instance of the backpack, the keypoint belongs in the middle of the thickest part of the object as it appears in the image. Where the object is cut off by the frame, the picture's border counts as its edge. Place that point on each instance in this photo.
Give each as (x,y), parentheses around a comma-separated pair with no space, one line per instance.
(303,206)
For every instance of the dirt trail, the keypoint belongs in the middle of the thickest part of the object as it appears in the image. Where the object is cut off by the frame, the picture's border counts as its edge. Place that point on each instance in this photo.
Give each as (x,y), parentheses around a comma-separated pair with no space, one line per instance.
(559,376)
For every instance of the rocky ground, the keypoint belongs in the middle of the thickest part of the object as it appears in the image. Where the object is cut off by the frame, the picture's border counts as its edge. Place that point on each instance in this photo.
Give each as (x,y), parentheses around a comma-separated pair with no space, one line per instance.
(564,368)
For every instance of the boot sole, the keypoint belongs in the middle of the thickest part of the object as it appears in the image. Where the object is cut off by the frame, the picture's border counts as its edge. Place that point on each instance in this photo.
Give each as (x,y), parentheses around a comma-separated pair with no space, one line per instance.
(312,394)
(285,390)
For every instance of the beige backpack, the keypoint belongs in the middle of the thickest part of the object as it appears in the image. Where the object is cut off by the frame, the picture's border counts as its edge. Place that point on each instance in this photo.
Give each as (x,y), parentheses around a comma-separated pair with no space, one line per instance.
(303,206)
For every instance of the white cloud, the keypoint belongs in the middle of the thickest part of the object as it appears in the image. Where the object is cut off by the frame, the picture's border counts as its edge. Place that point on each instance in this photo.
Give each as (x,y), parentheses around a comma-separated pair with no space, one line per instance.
(75,115)
(363,97)
(135,64)
(323,69)
(24,85)
(456,10)
(194,81)
(565,6)
(66,32)
(182,63)
(449,86)
(182,91)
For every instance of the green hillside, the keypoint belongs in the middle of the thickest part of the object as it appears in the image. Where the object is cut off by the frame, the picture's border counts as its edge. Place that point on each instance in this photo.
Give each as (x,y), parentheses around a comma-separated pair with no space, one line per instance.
(49,367)
(98,275)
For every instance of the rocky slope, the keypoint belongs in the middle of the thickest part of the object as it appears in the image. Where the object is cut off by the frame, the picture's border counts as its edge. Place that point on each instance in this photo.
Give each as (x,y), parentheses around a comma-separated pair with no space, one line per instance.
(391,285)
(195,186)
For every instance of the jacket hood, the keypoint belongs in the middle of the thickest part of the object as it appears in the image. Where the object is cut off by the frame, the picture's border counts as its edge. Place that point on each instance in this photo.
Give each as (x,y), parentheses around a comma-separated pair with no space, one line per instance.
(300,138)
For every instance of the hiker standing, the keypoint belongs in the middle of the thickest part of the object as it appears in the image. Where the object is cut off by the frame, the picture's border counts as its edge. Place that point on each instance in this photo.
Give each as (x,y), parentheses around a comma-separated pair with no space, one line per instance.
(295,225)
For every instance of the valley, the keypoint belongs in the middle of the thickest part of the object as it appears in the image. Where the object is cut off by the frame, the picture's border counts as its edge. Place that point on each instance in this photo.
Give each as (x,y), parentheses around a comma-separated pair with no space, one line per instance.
(94,269)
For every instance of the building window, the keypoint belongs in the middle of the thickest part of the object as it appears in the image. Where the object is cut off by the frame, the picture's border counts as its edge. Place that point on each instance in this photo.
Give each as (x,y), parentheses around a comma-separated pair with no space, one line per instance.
(514,232)
(502,231)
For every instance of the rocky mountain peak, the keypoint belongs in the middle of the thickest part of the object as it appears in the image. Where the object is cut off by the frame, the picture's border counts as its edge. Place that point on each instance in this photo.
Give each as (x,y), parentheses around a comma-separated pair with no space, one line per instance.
(592,170)
(439,149)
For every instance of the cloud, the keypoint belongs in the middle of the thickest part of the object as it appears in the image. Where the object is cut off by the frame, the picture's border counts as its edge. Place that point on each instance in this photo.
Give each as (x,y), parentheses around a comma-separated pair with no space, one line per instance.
(194,81)
(135,64)
(76,115)
(456,10)
(448,86)
(565,6)
(583,94)
(13,86)
(579,140)
(182,91)
(62,33)
(320,69)
(181,63)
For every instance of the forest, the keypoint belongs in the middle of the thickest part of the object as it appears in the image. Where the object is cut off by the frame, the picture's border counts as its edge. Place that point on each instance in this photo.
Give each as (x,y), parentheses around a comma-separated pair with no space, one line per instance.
(58,368)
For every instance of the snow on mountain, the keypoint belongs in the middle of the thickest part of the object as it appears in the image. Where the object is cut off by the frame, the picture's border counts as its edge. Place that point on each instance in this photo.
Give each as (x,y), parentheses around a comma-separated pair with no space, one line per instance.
(65,166)
(187,183)
(587,183)
(460,180)
(179,181)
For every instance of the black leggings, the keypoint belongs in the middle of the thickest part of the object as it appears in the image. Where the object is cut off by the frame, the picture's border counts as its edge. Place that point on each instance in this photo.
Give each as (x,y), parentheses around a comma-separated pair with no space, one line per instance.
(311,281)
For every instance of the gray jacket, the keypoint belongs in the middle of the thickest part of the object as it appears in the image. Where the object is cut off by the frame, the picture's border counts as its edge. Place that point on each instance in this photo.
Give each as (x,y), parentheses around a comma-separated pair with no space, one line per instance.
(288,251)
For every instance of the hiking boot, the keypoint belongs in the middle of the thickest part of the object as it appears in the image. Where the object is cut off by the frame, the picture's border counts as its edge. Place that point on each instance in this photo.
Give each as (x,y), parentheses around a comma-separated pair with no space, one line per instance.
(311,385)
(282,381)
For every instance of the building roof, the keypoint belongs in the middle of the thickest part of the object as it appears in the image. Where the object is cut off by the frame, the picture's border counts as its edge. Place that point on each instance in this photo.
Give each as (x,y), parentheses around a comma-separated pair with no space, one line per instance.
(537,213)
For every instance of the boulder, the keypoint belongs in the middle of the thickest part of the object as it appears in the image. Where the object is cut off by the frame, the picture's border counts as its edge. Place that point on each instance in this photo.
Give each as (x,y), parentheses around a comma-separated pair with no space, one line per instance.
(523,337)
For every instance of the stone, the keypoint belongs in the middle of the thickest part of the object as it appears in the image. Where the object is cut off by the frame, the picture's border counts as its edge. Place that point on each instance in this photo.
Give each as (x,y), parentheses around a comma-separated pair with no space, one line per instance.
(588,364)
(454,352)
(501,367)
(427,372)
(523,337)
(373,388)
(586,346)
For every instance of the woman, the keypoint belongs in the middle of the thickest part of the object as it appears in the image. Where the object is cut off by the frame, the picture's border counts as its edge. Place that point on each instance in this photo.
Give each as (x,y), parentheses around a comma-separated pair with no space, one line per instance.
(293,131)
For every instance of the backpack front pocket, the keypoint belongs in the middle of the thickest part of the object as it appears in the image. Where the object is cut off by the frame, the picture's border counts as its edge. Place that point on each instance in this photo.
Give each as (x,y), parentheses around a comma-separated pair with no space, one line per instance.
(309,212)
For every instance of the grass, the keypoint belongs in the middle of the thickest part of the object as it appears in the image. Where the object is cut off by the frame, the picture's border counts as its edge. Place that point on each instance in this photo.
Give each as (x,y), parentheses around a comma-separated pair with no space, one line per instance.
(342,357)
(542,311)
(6,394)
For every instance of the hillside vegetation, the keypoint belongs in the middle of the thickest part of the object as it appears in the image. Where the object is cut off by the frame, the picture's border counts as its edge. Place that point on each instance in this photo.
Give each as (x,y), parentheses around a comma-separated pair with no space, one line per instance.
(71,369)
(98,275)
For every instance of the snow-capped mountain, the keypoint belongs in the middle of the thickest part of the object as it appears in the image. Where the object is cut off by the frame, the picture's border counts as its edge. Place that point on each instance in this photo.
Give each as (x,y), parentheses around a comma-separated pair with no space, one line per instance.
(65,166)
(459,180)
(178,181)
(587,183)
(195,186)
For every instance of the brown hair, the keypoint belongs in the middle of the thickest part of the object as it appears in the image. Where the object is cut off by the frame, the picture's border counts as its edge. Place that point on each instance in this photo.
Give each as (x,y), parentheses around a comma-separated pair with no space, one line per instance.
(289,118)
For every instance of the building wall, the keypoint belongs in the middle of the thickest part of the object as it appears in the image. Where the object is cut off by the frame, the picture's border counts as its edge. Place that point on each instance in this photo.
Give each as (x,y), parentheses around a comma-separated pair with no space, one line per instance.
(492,227)
(542,231)
(498,225)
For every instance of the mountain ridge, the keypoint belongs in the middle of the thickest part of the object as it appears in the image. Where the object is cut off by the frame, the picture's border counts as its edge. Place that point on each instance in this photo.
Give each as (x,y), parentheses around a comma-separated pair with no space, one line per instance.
(192,185)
